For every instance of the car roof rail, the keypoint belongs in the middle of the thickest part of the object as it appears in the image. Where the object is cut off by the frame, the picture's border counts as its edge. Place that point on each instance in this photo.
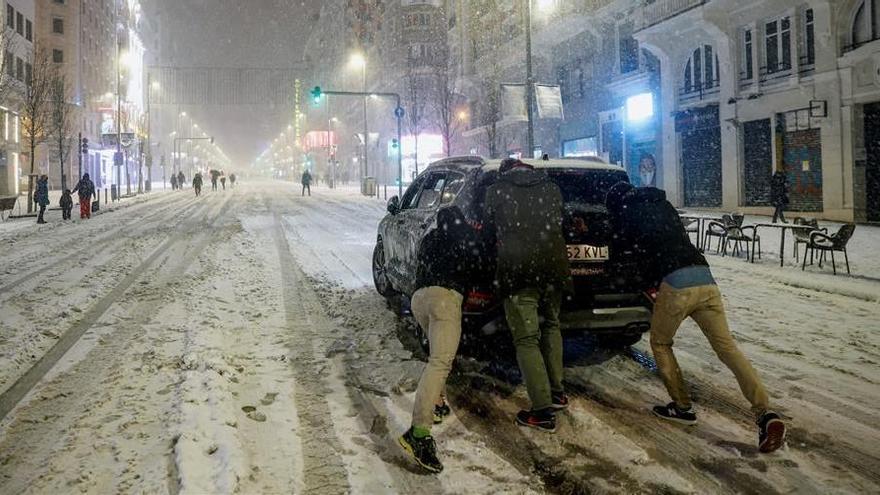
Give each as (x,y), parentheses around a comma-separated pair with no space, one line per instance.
(463,160)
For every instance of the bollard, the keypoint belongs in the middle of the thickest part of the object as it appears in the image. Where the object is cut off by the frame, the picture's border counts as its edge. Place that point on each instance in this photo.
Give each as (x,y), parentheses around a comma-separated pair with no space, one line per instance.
(105,195)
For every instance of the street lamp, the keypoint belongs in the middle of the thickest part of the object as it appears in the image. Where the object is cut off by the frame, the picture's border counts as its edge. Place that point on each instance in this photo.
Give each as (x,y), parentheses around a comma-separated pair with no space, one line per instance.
(358,61)
(544,6)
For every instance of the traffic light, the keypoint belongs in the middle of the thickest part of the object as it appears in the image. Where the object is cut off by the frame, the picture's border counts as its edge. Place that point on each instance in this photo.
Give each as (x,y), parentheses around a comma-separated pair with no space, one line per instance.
(394,143)
(316,95)
(85,145)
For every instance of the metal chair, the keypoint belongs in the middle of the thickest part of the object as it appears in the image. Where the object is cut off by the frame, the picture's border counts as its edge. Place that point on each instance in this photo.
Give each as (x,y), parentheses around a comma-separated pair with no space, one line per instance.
(691,226)
(824,243)
(802,236)
(740,235)
(719,230)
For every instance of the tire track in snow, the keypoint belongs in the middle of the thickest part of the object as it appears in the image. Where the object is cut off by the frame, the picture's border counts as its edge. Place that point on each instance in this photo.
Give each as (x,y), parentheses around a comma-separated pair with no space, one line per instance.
(323,467)
(12,396)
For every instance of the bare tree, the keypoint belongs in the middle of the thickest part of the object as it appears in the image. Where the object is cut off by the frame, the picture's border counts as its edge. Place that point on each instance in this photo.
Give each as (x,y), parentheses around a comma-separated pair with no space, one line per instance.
(418,90)
(35,105)
(61,118)
(485,29)
(10,87)
(446,105)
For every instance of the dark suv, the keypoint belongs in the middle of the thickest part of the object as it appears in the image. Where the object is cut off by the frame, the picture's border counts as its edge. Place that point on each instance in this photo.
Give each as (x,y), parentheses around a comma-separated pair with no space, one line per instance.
(606,301)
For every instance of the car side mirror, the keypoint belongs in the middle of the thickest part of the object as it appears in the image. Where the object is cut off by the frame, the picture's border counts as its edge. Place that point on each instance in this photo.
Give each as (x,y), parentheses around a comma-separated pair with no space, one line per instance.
(394,205)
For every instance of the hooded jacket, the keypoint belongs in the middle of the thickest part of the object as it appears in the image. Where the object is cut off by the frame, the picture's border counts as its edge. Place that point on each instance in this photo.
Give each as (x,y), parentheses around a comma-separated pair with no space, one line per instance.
(449,254)
(523,212)
(779,189)
(66,200)
(649,233)
(41,195)
(85,187)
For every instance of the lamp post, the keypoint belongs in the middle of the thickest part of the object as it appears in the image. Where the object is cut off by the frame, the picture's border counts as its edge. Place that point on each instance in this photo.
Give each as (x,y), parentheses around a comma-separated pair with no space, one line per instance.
(358,60)
(545,6)
(150,87)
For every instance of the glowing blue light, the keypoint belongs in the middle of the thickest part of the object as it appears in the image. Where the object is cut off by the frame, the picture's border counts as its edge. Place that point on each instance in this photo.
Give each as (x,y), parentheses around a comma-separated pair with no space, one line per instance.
(640,107)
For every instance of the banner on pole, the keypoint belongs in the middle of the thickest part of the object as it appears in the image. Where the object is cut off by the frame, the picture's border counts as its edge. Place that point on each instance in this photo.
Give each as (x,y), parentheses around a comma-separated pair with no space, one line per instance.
(513,102)
(549,100)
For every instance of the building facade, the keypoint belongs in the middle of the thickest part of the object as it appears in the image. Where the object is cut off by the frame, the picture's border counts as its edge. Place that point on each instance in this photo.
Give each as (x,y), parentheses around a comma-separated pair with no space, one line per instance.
(17,42)
(704,98)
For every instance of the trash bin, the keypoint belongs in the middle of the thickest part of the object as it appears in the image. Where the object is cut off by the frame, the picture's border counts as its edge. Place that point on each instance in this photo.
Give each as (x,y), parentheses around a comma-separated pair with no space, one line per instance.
(114,193)
(96,205)
(368,187)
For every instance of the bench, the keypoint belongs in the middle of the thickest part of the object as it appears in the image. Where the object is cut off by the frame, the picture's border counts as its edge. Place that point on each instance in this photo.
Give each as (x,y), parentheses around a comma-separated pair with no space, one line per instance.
(6,205)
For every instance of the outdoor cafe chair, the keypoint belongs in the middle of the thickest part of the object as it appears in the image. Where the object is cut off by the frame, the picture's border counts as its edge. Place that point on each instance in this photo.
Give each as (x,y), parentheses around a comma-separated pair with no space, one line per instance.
(824,243)
(743,235)
(802,236)
(719,230)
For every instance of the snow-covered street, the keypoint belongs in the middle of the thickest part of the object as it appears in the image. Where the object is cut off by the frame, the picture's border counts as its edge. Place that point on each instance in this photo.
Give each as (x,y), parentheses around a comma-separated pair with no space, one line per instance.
(234,343)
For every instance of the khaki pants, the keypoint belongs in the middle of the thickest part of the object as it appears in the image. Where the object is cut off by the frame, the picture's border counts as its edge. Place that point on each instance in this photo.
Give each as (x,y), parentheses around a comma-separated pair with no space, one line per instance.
(538,344)
(438,311)
(704,305)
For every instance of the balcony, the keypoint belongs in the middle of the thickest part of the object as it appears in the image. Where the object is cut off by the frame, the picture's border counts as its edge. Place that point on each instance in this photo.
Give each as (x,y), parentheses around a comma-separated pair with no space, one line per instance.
(775,74)
(657,11)
(699,92)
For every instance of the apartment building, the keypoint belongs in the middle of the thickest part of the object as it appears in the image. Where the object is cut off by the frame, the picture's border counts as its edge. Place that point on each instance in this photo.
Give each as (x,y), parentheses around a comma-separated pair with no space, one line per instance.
(18,35)
(704,98)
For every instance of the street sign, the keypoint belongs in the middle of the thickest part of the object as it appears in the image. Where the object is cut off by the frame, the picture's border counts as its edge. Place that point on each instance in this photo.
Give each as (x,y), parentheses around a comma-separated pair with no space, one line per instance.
(399,112)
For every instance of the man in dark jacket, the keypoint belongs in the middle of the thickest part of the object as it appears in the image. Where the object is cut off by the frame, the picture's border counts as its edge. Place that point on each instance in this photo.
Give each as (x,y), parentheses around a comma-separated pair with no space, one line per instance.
(41,196)
(649,232)
(446,265)
(306,183)
(181,180)
(197,183)
(523,212)
(779,195)
(86,189)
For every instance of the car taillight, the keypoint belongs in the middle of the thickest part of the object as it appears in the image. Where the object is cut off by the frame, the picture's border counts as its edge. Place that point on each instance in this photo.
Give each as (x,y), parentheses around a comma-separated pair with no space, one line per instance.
(652,294)
(477,301)
(475,224)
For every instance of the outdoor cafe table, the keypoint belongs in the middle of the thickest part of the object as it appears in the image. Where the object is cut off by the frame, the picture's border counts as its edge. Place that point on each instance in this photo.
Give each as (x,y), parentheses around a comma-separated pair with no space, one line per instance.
(701,219)
(782,228)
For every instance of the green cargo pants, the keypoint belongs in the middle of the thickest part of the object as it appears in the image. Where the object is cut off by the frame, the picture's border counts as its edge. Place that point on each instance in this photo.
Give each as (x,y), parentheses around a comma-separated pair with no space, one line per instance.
(533,318)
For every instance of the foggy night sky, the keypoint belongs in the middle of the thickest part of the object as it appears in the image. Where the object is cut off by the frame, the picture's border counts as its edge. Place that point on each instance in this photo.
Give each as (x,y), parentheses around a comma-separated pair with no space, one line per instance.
(227,33)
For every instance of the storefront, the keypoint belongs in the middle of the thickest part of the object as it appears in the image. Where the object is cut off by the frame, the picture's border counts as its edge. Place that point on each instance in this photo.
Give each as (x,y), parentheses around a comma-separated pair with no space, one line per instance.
(871,163)
(700,134)
(758,166)
(802,160)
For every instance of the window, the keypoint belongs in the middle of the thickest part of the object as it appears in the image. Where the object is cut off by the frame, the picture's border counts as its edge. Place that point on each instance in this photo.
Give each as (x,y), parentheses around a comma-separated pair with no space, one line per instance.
(453,186)
(9,62)
(29,30)
(58,56)
(809,37)
(28,73)
(629,50)
(411,196)
(19,69)
(19,23)
(10,16)
(701,71)
(431,191)
(58,25)
(747,56)
(777,45)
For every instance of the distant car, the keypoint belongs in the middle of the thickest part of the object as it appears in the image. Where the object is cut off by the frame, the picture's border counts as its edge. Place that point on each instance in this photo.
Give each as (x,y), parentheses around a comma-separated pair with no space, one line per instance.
(606,300)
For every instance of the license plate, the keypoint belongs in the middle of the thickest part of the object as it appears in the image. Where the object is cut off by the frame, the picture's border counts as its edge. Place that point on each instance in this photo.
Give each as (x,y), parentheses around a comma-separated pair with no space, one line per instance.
(585,252)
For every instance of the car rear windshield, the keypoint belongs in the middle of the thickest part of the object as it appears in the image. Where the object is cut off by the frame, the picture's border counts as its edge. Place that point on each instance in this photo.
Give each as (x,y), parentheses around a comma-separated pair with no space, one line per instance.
(586,186)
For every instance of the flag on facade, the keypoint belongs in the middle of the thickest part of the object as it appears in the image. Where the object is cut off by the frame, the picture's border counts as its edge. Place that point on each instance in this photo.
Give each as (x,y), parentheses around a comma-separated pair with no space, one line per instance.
(513,102)
(549,101)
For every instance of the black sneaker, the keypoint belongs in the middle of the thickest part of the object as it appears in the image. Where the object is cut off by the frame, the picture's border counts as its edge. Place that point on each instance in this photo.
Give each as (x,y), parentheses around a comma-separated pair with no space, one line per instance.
(560,400)
(673,413)
(542,420)
(423,450)
(771,432)
(440,412)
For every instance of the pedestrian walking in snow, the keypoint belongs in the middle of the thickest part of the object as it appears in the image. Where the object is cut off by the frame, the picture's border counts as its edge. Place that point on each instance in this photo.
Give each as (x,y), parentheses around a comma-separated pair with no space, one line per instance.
(181,180)
(173,182)
(779,195)
(215,175)
(223,181)
(86,189)
(649,232)
(197,183)
(443,272)
(532,276)
(306,183)
(232,180)
(66,204)
(41,196)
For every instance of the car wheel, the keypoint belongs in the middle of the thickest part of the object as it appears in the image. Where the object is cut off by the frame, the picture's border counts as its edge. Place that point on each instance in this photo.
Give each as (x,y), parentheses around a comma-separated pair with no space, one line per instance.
(619,340)
(380,276)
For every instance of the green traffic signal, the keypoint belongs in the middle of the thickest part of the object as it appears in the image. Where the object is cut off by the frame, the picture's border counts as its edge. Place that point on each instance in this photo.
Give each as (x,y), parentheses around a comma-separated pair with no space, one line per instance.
(316,95)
